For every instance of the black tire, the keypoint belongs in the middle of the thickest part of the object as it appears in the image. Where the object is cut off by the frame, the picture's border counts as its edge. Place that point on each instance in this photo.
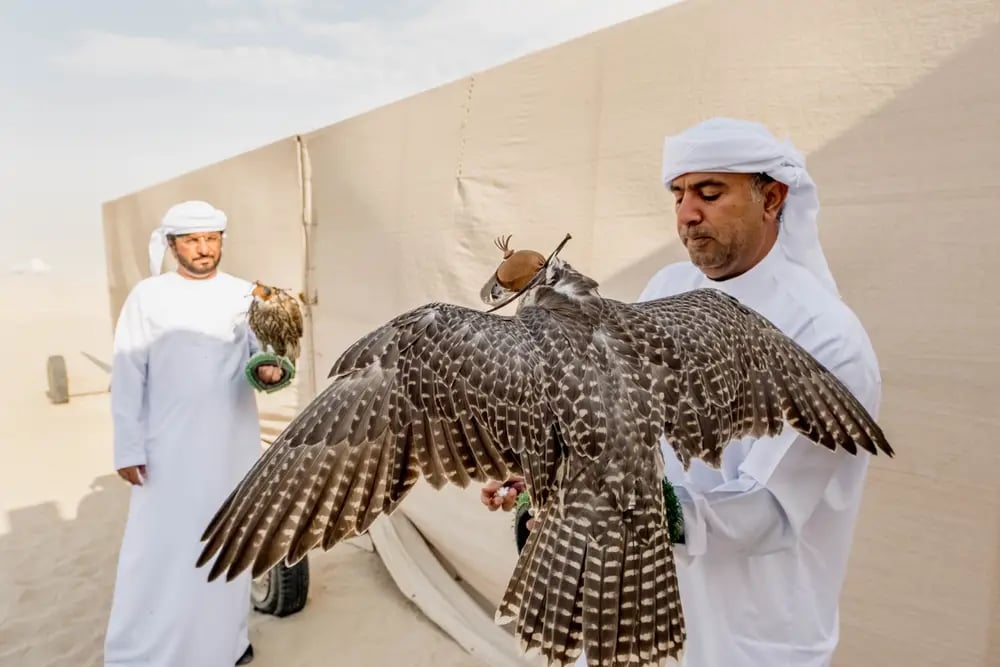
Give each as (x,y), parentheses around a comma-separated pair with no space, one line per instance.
(521,532)
(283,590)
(55,369)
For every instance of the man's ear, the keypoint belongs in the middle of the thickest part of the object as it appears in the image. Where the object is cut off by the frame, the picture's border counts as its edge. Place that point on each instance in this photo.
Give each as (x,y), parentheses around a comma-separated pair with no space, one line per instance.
(775,194)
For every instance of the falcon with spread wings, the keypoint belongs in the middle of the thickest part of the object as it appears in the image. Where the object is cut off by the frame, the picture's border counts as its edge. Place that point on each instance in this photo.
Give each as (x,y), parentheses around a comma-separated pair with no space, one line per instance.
(573,392)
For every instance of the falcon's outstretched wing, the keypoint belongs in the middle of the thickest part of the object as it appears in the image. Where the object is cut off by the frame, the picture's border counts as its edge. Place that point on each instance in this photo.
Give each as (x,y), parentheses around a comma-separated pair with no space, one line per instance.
(441,390)
(738,375)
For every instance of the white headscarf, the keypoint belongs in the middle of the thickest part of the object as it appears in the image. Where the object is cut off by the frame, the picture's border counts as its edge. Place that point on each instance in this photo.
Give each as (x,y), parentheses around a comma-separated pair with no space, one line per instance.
(184,218)
(739,146)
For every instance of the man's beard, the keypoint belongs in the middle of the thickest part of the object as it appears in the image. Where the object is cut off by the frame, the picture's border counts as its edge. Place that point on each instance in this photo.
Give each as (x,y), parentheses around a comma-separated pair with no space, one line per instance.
(195,269)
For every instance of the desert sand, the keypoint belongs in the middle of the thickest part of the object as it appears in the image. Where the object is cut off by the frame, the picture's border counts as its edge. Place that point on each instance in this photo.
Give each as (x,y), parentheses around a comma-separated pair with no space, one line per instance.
(62,511)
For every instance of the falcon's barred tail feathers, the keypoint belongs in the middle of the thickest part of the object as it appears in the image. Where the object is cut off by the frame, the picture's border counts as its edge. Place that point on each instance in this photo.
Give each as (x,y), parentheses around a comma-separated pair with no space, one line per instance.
(587,582)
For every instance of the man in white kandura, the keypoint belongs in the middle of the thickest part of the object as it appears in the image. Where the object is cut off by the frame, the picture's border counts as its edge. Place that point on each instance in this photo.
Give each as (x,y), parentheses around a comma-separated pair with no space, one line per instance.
(186,430)
(767,536)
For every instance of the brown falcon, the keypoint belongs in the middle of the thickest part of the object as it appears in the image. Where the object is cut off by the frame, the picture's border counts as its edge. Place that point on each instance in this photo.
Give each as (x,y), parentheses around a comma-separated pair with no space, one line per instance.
(573,392)
(276,320)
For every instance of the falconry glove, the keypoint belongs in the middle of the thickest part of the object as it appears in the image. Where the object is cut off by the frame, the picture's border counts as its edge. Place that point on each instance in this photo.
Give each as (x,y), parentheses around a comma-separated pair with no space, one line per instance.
(264,359)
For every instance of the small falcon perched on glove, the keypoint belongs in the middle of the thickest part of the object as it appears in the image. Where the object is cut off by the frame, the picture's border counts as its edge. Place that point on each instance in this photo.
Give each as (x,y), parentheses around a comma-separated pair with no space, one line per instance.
(276,320)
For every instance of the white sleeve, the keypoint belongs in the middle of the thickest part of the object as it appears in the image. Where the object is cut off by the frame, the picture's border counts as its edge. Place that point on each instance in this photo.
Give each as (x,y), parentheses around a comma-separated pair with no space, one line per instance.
(659,286)
(780,483)
(128,384)
(253,345)
(649,292)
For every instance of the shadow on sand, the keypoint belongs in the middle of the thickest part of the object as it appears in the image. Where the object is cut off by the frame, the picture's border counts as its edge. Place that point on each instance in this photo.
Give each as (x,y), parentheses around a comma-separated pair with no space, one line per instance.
(57,579)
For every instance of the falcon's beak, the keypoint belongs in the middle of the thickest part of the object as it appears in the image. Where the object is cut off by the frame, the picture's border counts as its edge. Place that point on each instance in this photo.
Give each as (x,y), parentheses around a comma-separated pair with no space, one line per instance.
(492,292)
(261,292)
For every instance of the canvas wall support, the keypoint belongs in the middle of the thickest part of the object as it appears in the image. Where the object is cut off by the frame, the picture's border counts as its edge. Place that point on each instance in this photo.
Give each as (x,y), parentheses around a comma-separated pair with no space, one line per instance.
(424,581)
(309,293)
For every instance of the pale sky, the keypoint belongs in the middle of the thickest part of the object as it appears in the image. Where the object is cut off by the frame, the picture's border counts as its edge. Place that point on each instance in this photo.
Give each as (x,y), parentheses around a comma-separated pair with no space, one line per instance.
(104,97)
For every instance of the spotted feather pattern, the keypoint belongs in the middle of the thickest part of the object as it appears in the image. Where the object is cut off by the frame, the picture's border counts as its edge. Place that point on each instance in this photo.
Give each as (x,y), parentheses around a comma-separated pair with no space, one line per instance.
(277,323)
(737,375)
(574,393)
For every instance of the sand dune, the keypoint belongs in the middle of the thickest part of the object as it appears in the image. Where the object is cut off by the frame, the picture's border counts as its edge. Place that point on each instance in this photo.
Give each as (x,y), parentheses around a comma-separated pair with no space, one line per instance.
(62,510)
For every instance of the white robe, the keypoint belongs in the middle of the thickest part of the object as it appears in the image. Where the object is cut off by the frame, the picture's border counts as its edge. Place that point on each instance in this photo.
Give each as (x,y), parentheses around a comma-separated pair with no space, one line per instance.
(181,405)
(769,534)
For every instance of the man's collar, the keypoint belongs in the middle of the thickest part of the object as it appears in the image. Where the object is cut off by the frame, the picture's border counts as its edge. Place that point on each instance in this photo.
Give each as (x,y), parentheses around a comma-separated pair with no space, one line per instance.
(753,281)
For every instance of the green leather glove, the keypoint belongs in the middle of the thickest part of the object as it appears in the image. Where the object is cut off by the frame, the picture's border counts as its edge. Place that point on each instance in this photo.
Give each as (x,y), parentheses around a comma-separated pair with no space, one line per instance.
(262,359)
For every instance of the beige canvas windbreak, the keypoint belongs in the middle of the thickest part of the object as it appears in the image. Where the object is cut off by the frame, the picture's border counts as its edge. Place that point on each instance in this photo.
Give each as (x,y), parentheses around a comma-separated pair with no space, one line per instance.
(896,105)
